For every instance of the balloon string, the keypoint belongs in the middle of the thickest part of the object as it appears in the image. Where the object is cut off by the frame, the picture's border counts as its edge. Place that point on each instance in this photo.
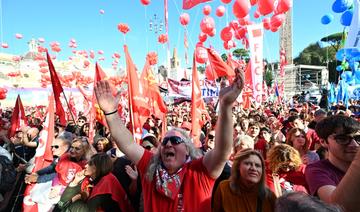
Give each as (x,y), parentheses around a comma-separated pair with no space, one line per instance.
(146,31)
(1,22)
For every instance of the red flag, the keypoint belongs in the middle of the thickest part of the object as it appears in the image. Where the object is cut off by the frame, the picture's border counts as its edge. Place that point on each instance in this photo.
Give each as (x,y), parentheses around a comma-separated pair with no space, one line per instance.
(210,74)
(138,104)
(188,4)
(43,156)
(57,89)
(72,108)
(220,67)
(151,91)
(197,107)
(18,118)
(231,62)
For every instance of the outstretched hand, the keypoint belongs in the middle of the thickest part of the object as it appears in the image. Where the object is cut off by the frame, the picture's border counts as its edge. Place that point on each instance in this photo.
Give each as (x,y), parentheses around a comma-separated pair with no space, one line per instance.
(229,94)
(105,99)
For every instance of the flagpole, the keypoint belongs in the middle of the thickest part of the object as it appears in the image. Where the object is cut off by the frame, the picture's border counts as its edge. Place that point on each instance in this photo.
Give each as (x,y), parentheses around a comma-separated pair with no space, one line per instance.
(67,103)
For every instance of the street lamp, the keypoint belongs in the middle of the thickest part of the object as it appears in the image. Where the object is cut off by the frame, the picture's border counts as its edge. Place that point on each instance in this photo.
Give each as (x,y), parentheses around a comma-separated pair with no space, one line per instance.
(155,24)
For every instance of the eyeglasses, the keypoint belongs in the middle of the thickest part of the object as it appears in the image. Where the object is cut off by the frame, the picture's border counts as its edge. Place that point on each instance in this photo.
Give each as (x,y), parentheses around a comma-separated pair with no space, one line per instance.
(175,140)
(211,136)
(81,121)
(55,146)
(346,139)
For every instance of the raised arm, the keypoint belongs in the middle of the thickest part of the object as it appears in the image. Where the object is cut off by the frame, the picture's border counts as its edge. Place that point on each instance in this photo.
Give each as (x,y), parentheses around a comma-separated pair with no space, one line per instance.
(215,160)
(123,137)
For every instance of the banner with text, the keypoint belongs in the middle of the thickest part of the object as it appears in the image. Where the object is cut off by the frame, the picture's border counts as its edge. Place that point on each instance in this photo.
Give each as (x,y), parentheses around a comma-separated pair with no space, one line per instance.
(255,32)
(178,89)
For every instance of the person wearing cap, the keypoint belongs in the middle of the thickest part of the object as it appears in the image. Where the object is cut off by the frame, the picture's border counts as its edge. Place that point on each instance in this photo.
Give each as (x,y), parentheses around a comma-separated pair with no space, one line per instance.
(149,142)
(177,177)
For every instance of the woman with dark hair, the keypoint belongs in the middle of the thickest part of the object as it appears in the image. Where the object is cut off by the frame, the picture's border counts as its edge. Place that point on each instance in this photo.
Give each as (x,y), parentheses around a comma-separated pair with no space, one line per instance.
(95,188)
(84,130)
(245,190)
(285,170)
(296,138)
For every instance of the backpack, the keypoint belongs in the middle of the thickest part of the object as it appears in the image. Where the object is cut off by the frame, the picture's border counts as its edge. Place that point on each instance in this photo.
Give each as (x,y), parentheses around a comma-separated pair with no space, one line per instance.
(7,174)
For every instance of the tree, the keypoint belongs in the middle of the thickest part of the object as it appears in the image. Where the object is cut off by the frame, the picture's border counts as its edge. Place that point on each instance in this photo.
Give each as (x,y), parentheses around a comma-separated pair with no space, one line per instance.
(201,69)
(224,57)
(241,53)
(269,78)
(335,40)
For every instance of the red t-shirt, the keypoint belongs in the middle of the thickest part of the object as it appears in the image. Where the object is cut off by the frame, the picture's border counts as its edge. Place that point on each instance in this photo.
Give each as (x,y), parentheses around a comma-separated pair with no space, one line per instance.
(195,191)
(260,146)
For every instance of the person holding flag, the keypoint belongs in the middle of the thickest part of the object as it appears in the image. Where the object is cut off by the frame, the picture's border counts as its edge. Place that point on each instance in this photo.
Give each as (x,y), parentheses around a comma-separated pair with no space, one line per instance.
(177,177)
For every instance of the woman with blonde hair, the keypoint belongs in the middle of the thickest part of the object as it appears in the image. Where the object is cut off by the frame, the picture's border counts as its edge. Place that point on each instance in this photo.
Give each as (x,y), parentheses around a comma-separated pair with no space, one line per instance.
(296,138)
(246,189)
(285,170)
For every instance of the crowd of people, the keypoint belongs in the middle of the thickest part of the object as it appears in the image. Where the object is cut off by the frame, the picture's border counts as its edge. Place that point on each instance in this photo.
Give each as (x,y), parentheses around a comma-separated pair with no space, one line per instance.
(267,158)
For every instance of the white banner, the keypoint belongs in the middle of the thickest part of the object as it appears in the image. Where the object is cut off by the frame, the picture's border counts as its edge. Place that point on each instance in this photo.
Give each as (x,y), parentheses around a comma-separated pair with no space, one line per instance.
(255,32)
(183,89)
(353,38)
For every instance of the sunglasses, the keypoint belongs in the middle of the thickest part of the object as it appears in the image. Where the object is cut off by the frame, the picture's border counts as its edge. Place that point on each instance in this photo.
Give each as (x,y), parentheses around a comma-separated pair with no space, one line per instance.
(55,146)
(346,139)
(211,136)
(175,140)
(148,147)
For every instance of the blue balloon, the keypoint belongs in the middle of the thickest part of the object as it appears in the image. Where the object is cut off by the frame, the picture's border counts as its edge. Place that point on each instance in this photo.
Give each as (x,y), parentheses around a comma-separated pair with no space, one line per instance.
(348,76)
(357,75)
(340,6)
(347,53)
(326,19)
(346,18)
(338,68)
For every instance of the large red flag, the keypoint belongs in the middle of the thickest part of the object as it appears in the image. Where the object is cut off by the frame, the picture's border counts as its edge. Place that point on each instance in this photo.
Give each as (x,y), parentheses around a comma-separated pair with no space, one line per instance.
(210,74)
(138,104)
(221,68)
(231,62)
(197,107)
(57,89)
(43,156)
(188,4)
(18,118)
(151,91)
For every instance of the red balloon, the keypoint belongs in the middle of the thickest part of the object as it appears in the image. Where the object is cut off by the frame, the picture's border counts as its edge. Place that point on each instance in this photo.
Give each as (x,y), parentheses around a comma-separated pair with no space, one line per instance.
(241,8)
(220,11)
(266,23)
(226,34)
(184,19)
(277,20)
(283,6)
(200,54)
(41,40)
(207,9)
(152,58)
(256,14)
(207,24)
(202,37)
(100,52)
(229,44)
(43,64)
(16,58)
(253,2)
(240,33)
(43,70)
(212,33)
(265,7)
(162,38)
(5,45)
(145,2)
(86,63)
(226,1)
(274,29)
(234,24)
(18,36)
(244,21)
(124,28)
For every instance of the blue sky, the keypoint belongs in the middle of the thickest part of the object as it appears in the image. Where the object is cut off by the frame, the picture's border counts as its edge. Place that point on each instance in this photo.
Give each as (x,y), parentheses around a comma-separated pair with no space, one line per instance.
(80,19)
